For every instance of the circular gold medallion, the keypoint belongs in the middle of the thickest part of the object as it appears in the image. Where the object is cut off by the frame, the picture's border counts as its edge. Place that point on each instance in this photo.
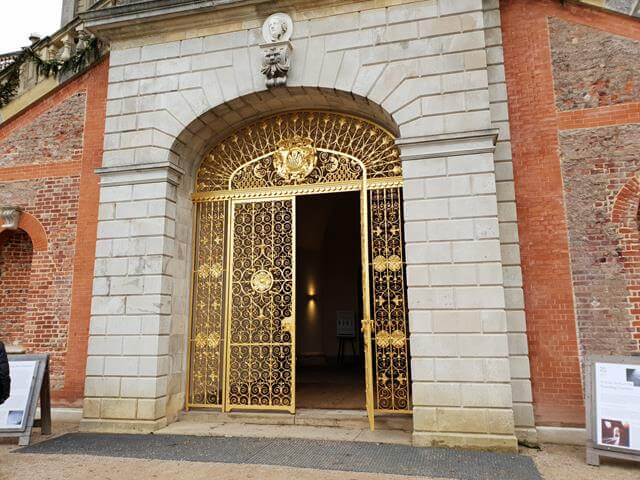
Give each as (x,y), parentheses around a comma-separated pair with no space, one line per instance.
(261,281)
(379,263)
(383,338)
(206,271)
(394,263)
(397,339)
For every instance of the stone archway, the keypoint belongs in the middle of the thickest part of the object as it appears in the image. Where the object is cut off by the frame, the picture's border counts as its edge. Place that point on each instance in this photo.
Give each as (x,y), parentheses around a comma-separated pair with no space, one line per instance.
(455,287)
(258,172)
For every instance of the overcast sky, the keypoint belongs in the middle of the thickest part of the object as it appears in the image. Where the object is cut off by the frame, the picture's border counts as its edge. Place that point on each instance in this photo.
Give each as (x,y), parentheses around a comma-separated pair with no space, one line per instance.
(21,18)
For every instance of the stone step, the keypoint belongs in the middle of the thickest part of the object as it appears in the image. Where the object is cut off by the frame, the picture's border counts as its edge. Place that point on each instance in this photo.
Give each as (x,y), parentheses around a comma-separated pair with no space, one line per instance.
(309,417)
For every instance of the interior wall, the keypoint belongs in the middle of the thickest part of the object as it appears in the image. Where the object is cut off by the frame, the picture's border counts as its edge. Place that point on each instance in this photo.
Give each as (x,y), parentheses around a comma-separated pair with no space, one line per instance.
(309,272)
(342,266)
(328,270)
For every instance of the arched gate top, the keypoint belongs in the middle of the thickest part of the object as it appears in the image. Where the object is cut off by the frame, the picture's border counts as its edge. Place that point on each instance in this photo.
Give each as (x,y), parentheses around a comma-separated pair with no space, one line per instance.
(298,147)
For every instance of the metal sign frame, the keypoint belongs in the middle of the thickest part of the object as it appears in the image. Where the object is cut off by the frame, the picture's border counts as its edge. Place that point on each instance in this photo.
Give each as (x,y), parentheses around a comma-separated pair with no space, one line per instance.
(39,390)
(596,450)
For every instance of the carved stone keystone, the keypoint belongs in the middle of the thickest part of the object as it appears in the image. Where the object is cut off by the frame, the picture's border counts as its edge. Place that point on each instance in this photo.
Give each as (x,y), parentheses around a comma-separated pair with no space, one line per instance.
(276,51)
(10,217)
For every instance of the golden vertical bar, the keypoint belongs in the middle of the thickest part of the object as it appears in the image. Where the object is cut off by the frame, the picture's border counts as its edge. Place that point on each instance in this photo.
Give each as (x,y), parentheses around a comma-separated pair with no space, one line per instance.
(192,284)
(231,212)
(294,249)
(366,307)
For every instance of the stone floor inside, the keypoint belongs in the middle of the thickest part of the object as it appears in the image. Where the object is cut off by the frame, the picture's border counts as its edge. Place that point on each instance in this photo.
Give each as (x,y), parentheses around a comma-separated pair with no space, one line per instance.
(331,386)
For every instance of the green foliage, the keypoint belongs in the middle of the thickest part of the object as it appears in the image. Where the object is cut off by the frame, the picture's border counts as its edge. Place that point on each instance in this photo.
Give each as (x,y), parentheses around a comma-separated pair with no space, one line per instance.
(47,68)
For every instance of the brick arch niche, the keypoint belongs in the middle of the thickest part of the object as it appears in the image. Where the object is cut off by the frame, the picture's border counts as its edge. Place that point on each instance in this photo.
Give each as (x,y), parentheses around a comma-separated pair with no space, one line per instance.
(16,257)
(625,215)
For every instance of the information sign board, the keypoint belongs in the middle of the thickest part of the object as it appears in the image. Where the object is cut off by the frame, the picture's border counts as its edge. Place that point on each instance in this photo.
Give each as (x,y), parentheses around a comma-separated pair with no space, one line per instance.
(13,412)
(612,398)
(29,383)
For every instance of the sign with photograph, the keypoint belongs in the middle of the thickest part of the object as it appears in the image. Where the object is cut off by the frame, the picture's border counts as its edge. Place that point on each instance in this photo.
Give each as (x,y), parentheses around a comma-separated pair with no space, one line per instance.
(612,401)
(617,389)
(13,411)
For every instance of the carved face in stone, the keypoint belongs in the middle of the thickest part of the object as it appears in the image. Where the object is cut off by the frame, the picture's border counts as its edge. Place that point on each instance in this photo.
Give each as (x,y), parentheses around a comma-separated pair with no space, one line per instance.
(277,28)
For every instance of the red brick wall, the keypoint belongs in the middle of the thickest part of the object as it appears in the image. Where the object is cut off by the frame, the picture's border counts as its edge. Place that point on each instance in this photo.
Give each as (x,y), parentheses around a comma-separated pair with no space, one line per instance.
(596,165)
(54,202)
(48,155)
(547,107)
(591,67)
(54,136)
(16,252)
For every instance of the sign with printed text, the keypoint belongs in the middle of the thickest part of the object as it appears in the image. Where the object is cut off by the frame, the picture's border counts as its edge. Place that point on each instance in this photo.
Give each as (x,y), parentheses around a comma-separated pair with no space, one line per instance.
(29,384)
(617,405)
(14,412)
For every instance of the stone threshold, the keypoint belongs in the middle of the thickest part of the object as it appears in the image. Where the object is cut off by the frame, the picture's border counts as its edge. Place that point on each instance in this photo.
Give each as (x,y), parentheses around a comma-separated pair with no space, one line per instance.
(312,424)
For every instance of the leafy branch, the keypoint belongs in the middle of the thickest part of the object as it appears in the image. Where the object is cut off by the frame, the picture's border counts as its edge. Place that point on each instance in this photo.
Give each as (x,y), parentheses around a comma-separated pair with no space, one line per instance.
(47,68)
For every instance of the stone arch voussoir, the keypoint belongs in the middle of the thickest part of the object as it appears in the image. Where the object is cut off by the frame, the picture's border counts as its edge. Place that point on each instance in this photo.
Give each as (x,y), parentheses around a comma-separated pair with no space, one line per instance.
(210,127)
(35,230)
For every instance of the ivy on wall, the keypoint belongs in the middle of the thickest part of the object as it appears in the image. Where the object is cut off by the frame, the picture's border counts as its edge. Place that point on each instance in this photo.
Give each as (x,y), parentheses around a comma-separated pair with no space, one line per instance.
(47,68)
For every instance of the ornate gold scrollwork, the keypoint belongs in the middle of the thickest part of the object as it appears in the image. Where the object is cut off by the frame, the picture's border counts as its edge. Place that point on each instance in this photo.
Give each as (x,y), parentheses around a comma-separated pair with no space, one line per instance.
(260,370)
(335,137)
(395,339)
(207,271)
(207,325)
(381,263)
(211,340)
(295,158)
(394,263)
(391,355)
(261,281)
(243,297)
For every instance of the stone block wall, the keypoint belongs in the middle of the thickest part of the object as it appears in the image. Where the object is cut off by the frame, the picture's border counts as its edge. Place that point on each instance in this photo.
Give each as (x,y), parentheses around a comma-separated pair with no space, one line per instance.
(419,65)
(459,348)
(509,237)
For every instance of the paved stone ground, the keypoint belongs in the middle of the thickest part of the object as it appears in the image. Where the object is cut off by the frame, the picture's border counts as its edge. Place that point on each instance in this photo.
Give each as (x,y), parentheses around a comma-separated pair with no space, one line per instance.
(298,453)
(553,462)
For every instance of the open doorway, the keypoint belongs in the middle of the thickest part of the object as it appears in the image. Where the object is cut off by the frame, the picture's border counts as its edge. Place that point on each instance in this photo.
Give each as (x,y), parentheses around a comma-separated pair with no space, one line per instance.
(330,365)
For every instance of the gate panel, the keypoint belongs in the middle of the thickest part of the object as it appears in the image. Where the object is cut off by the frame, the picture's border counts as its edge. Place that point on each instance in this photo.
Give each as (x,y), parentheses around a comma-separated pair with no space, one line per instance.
(389,328)
(207,326)
(260,367)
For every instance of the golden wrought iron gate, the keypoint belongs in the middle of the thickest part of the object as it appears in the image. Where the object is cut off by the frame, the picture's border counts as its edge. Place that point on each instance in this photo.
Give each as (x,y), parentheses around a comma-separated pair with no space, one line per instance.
(261,329)
(242,340)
